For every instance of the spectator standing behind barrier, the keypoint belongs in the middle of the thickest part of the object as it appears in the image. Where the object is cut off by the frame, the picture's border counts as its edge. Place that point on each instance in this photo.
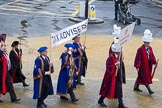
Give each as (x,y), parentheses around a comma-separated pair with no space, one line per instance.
(16,71)
(42,78)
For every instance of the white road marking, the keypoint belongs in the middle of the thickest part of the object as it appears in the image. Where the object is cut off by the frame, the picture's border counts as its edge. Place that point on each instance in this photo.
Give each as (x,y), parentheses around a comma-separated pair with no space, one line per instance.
(11,7)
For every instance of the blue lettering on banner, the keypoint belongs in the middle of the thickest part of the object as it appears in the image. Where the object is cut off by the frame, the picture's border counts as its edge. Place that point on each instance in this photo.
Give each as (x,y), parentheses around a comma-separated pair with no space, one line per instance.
(68,33)
(75,31)
(64,34)
(79,29)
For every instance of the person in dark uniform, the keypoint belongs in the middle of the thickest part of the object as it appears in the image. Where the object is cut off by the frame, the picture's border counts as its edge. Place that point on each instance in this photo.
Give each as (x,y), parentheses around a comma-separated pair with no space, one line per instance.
(6,84)
(143,63)
(15,58)
(42,78)
(117,2)
(112,83)
(77,55)
(66,76)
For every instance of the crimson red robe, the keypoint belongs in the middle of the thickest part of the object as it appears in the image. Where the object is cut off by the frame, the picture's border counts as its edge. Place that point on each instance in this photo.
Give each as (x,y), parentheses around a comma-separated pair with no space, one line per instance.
(144,65)
(122,64)
(3,74)
(109,81)
(110,50)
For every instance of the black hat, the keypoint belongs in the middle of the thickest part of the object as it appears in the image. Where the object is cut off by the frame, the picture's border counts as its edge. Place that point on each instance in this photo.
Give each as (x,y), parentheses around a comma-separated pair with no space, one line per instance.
(76,36)
(14,43)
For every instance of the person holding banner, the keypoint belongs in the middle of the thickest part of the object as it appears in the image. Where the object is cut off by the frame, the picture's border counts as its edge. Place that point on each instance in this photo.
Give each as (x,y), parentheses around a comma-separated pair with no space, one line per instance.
(42,78)
(66,76)
(116,35)
(77,55)
(143,63)
(112,82)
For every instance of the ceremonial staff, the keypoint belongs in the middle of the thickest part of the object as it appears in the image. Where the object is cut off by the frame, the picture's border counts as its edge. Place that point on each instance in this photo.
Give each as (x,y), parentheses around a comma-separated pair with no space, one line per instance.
(154,69)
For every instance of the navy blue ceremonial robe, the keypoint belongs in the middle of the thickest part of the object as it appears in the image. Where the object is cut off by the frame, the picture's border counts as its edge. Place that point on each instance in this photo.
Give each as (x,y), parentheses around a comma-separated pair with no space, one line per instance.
(75,54)
(63,76)
(42,85)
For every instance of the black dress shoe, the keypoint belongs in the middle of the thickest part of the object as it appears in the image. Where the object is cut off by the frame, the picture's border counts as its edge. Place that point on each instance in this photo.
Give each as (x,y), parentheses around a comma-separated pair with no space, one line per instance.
(25,85)
(75,100)
(45,105)
(102,104)
(122,106)
(151,92)
(41,106)
(16,100)
(1,101)
(137,89)
(115,18)
(64,98)
(80,83)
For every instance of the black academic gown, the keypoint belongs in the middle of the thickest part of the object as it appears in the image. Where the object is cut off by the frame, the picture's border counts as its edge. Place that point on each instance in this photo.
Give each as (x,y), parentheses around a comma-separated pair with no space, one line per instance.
(16,67)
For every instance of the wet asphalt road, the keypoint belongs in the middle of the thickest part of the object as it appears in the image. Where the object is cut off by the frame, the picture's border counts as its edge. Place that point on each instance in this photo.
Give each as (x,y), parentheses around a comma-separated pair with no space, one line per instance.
(46,16)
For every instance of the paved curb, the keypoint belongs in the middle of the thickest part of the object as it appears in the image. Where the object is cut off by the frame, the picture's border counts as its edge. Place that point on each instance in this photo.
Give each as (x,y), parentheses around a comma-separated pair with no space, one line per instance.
(157,1)
(79,19)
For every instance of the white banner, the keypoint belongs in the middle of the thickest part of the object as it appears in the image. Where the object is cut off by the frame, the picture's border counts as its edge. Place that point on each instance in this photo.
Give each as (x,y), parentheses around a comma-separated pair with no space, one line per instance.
(126,34)
(68,33)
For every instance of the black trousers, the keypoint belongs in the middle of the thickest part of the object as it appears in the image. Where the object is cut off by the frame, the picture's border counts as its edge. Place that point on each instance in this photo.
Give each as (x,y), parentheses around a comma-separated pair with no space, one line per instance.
(72,95)
(46,87)
(10,87)
(116,9)
(119,92)
(79,77)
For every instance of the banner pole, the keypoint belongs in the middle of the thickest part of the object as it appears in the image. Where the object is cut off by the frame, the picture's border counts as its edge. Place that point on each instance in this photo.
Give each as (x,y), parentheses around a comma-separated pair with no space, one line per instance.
(50,47)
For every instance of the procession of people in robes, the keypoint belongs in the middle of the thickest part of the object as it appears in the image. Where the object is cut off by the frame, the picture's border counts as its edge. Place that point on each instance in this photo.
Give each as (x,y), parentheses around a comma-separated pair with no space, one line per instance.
(74,63)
